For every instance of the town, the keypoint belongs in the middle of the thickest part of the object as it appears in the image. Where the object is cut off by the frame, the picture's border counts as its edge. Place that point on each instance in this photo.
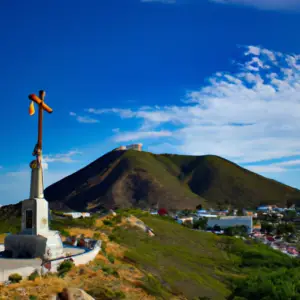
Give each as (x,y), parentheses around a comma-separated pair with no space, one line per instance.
(271,225)
(274,226)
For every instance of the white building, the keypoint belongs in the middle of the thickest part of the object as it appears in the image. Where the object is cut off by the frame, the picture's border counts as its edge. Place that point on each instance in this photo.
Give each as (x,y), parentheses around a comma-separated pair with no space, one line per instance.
(137,147)
(76,215)
(231,221)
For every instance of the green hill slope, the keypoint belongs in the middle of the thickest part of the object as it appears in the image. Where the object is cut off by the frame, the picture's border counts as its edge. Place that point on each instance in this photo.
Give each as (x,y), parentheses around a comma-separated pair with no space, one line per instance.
(200,265)
(130,178)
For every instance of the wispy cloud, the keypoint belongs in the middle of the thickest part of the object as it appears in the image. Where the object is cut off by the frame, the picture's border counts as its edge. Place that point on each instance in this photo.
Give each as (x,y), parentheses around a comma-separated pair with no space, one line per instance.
(60,157)
(247,116)
(276,167)
(160,1)
(139,135)
(84,119)
(265,4)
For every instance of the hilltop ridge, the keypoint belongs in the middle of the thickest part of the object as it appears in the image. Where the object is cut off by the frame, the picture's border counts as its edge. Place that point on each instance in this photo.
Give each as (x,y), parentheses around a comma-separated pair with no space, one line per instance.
(126,178)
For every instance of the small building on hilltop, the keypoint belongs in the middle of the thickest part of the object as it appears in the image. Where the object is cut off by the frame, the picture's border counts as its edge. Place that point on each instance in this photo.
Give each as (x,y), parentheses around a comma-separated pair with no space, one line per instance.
(137,147)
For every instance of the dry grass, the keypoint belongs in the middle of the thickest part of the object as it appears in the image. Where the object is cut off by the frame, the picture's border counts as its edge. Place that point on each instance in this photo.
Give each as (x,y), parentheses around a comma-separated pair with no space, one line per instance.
(87,277)
(41,287)
(122,277)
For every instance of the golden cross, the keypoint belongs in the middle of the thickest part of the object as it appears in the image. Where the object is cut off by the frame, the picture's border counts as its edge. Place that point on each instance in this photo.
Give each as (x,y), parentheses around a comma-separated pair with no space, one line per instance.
(42,106)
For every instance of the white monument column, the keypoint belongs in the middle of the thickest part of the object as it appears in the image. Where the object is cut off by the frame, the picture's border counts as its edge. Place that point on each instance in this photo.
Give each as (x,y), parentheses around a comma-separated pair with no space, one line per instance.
(35,239)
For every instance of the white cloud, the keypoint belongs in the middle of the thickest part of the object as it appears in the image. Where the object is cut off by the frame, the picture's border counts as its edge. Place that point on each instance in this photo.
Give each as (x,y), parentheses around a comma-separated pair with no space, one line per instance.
(84,119)
(248,116)
(61,157)
(278,167)
(160,1)
(265,4)
(266,169)
(134,136)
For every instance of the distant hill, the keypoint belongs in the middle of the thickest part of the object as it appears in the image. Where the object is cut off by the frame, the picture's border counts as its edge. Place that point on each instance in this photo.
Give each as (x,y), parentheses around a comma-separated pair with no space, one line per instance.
(142,179)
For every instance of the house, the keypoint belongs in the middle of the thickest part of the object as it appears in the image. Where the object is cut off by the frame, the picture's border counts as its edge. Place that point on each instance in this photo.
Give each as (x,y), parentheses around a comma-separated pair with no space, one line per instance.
(162,212)
(208,216)
(86,215)
(185,219)
(231,221)
(264,208)
(256,227)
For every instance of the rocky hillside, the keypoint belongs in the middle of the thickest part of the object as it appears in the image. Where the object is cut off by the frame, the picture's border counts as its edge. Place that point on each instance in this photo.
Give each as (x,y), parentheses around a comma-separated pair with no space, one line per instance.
(141,179)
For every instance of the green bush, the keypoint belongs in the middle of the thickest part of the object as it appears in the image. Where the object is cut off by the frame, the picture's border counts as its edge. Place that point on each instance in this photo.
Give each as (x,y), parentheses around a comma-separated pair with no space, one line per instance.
(108,270)
(200,224)
(236,230)
(108,222)
(64,268)
(33,275)
(105,293)
(15,278)
(153,286)
(96,236)
(60,224)
(103,247)
(64,233)
(113,238)
(111,258)
(13,225)
(280,284)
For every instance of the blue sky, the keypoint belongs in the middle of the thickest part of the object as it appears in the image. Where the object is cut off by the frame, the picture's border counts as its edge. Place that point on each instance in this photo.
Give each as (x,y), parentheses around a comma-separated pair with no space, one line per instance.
(186,76)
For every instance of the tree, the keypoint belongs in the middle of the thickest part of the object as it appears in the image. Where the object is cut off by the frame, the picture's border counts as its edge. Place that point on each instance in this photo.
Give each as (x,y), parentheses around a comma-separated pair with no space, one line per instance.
(285,228)
(240,212)
(236,230)
(266,227)
(200,224)
(217,228)
(289,215)
(199,207)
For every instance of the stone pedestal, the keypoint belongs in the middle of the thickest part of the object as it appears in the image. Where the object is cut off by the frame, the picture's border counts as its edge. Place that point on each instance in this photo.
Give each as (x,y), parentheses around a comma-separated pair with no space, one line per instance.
(35,238)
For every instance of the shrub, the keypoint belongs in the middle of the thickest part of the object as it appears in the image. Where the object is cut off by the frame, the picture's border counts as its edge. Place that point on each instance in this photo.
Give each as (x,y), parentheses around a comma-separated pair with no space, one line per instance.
(111,258)
(117,219)
(15,278)
(108,223)
(103,247)
(107,270)
(31,297)
(64,232)
(96,236)
(200,224)
(113,238)
(33,275)
(65,267)
(153,286)
(105,293)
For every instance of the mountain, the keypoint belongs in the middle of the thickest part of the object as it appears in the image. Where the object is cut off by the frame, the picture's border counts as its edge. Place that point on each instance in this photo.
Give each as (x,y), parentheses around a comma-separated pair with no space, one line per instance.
(142,179)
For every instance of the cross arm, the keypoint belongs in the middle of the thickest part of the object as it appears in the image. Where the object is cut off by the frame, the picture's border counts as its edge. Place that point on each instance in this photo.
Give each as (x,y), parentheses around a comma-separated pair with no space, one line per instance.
(38,101)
